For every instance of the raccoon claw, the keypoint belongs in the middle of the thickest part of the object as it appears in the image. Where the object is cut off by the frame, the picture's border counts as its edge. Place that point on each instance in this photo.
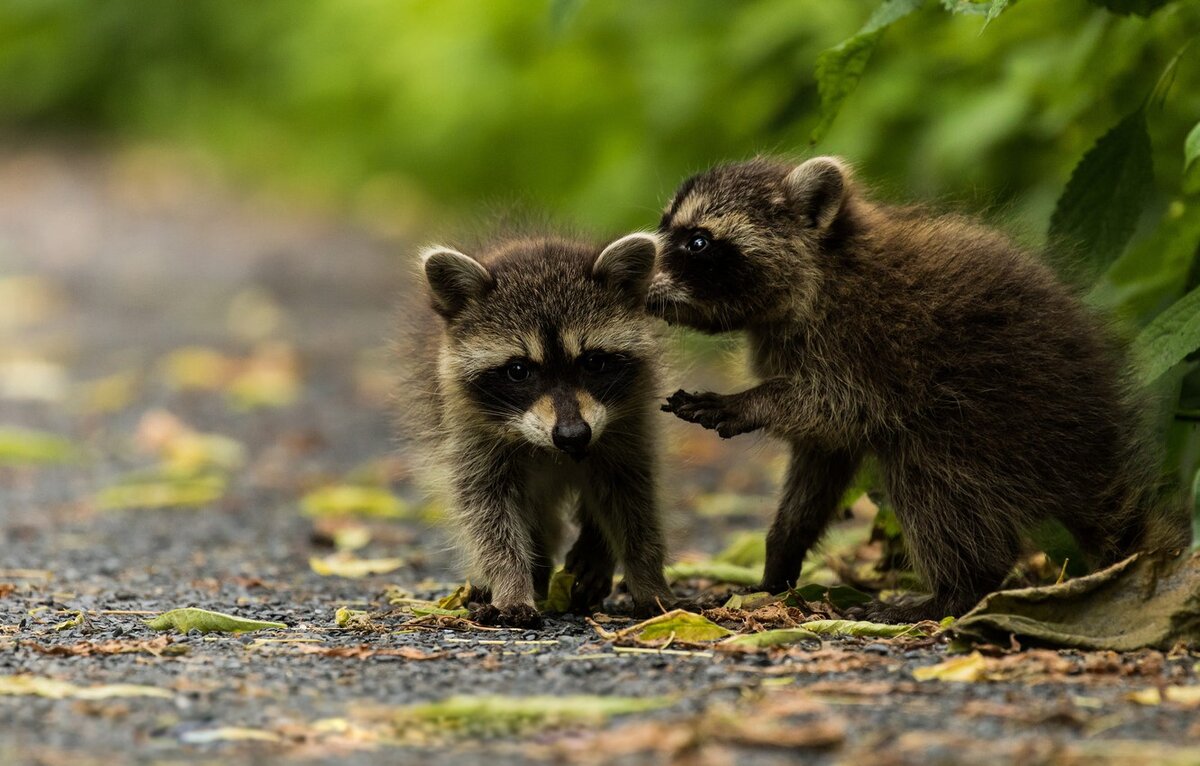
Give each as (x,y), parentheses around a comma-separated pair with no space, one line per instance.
(898,613)
(518,616)
(710,410)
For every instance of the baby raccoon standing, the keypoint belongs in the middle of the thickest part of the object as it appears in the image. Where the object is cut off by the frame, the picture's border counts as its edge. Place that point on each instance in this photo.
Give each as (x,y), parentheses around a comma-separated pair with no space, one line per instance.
(992,399)
(535,390)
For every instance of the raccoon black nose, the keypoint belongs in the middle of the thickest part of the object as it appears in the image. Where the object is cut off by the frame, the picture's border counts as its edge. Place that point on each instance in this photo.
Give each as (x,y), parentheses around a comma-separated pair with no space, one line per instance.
(572,437)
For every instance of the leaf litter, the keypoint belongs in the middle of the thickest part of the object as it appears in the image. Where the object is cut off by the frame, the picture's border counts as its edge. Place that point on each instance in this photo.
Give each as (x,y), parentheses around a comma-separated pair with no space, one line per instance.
(188,619)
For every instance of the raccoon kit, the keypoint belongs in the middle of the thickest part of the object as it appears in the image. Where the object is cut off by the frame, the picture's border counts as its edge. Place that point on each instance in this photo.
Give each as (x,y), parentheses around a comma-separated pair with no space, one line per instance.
(991,398)
(532,390)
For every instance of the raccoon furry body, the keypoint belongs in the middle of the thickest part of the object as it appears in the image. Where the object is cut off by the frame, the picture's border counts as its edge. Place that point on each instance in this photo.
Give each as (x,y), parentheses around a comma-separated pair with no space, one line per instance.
(530,387)
(991,396)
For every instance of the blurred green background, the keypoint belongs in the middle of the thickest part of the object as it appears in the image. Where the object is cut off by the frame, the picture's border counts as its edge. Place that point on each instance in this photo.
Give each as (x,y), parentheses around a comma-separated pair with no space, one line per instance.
(417,110)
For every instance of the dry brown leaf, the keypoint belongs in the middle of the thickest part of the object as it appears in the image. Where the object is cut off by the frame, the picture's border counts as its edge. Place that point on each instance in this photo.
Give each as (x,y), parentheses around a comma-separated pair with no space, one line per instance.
(365,651)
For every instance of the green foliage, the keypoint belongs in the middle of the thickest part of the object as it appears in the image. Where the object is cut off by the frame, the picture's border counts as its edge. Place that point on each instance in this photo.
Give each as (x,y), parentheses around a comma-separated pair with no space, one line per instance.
(839,69)
(1171,337)
(1103,201)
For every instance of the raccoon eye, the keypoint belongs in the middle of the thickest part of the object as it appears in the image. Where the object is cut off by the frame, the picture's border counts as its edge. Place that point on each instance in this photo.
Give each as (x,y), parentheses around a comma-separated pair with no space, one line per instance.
(594,362)
(697,244)
(517,371)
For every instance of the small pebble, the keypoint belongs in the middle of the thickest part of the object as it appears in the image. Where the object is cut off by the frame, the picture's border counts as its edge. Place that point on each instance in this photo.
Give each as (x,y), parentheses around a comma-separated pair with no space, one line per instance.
(876,649)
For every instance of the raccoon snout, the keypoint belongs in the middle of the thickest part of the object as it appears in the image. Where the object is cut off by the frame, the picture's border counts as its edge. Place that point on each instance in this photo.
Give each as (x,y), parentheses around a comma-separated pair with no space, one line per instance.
(572,437)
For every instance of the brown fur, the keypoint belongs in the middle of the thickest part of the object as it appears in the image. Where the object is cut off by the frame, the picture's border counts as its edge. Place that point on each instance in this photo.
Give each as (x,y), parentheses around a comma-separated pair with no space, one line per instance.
(992,398)
(505,455)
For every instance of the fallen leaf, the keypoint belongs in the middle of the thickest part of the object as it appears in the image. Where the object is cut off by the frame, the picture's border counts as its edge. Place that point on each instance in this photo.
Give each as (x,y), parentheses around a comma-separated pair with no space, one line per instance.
(31,379)
(716,571)
(345,565)
(968,668)
(191,618)
(156,646)
(676,625)
(838,596)
(1186,696)
(457,598)
(862,629)
(40,686)
(196,367)
(269,378)
(421,611)
(19,446)
(487,715)
(73,622)
(228,734)
(153,490)
(1134,604)
(750,601)
(351,618)
(353,500)
(558,596)
(780,637)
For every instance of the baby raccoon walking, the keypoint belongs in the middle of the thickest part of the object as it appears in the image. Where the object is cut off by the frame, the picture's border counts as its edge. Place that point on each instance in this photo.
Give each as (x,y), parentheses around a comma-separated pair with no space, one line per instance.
(535,390)
(991,398)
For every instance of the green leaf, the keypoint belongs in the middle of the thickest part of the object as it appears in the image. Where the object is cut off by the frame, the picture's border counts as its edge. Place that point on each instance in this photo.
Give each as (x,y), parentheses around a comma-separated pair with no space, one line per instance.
(1169,338)
(1126,7)
(490,715)
(678,625)
(73,622)
(457,599)
(750,601)
(561,13)
(1099,210)
(715,570)
(353,500)
(162,491)
(345,617)
(19,446)
(558,596)
(1191,146)
(767,638)
(862,629)
(191,618)
(748,549)
(839,69)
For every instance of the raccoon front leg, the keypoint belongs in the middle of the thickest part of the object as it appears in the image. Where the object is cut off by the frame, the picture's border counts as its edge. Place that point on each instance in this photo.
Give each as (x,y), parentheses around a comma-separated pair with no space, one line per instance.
(621,499)
(816,480)
(592,563)
(502,551)
(723,413)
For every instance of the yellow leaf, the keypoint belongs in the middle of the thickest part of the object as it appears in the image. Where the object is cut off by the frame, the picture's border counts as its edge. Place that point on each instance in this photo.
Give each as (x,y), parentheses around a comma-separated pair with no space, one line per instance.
(1149,697)
(191,618)
(111,393)
(341,565)
(457,598)
(32,379)
(677,625)
(270,378)
(558,596)
(73,622)
(767,638)
(195,367)
(153,491)
(350,618)
(968,668)
(21,446)
(353,500)
(39,686)
(500,715)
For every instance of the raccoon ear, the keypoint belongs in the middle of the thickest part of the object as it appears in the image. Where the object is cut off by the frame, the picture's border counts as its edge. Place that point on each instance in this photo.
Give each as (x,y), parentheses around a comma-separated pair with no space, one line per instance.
(454,279)
(817,189)
(628,263)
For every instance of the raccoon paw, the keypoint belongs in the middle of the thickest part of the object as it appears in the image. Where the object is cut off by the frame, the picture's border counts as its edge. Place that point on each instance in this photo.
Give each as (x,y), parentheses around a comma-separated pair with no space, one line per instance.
(710,410)
(516,616)
(902,612)
(592,585)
